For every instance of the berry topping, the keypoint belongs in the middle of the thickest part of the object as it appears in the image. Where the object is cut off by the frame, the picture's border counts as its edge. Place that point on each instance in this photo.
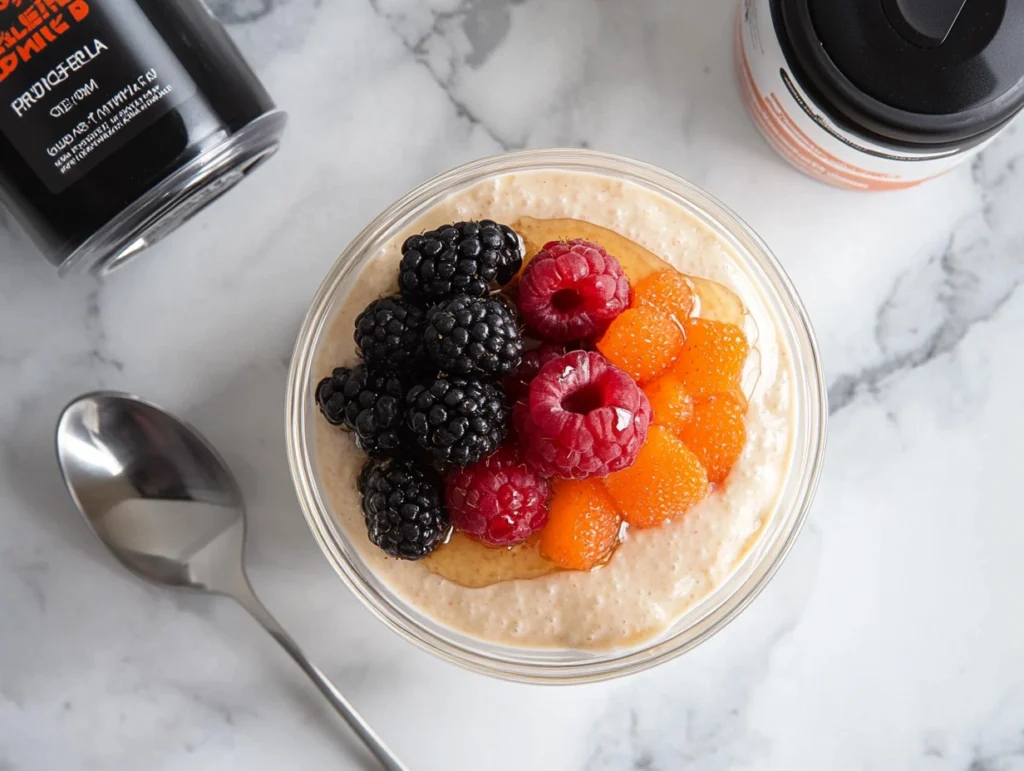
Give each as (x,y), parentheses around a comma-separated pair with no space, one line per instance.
(583,418)
(572,290)
(463,258)
(666,480)
(371,404)
(672,406)
(517,385)
(668,291)
(712,357)
(403,509)
(717,433)
(499,501)
(583,525)
(470,334)
(644,342)
(389,332)
(457,420)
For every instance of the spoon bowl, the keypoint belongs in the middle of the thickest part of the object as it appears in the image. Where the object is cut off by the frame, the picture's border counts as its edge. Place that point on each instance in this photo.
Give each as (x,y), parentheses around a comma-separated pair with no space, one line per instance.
(160,497)
(167,506)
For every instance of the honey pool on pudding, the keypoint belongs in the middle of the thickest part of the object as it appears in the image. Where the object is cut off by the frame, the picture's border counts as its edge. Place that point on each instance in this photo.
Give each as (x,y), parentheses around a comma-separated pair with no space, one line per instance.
(581,417)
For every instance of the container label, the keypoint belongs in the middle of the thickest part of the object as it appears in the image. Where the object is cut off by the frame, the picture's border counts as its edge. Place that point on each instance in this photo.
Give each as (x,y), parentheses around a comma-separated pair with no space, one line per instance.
(807,137)
(79,79)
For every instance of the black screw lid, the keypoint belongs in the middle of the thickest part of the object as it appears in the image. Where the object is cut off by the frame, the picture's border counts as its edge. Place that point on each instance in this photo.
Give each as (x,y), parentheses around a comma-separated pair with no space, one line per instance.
(911,71)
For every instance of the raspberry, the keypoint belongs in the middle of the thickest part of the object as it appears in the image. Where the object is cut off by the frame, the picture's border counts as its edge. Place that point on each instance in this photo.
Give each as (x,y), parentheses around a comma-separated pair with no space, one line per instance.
(717,433)
(668,291)
(636,261)
(666,480)
(644,342)
(712,357)
(583,418)
(672,406)
(499,501)
(517,385)
(572,290)
(583,525)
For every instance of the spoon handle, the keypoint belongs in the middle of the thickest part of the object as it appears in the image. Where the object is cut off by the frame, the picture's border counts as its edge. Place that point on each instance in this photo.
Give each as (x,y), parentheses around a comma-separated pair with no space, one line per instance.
(248,600)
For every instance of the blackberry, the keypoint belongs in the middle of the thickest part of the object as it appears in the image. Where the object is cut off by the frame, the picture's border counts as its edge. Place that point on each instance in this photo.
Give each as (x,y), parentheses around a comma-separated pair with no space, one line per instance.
(370,404)
(463,258)
(473,334)
(402,504)
(457,420)
(389,332)
(364,476)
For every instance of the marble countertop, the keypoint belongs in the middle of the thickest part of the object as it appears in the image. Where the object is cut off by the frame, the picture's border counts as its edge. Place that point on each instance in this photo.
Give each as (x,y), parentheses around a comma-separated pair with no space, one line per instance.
(892,638)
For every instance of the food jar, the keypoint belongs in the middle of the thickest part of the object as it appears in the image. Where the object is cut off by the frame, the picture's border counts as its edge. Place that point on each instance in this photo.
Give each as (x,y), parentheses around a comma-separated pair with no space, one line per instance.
(119,120)
(880,95)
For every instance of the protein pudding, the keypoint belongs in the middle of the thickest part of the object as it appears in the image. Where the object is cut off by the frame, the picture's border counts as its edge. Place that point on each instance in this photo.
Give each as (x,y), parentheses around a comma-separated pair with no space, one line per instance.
(648,529)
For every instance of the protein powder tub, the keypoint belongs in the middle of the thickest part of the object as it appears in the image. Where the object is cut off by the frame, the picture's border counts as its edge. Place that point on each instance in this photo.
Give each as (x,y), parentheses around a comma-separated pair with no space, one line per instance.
(119,119)
(880,95)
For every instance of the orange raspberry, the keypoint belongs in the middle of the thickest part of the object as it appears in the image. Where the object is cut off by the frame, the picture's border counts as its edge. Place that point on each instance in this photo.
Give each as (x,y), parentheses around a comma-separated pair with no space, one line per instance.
(717,432)
(666,480)
(668,291)
(673,407)
(712,357)
(642,341)
(583,525)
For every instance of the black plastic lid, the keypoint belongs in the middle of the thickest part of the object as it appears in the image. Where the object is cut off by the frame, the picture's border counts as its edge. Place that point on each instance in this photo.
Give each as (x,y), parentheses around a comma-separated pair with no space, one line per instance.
(912,71)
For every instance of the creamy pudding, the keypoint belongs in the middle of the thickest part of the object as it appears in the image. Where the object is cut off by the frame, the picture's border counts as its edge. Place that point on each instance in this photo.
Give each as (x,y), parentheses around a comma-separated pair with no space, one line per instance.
(654,575)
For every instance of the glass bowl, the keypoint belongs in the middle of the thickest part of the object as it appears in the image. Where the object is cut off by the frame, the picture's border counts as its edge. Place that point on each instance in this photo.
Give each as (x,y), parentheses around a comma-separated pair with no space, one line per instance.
(712,613)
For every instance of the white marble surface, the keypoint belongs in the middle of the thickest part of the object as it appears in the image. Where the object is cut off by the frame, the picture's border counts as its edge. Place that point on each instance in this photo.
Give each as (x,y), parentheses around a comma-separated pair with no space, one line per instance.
(892,638)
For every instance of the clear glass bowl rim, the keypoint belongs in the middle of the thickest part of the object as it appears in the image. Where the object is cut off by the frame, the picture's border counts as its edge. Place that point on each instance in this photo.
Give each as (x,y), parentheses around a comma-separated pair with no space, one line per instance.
(773,278)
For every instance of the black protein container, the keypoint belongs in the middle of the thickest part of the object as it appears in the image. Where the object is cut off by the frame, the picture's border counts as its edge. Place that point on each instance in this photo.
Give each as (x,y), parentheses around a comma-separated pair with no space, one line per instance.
(881,94)
(120,119)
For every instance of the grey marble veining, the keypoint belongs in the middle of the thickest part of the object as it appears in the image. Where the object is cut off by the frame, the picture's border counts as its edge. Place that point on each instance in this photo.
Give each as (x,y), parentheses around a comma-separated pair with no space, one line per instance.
(892,638)
(966,280)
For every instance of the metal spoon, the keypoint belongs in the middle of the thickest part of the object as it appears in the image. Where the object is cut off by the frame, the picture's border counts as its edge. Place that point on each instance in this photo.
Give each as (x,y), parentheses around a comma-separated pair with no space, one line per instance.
(164,502)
